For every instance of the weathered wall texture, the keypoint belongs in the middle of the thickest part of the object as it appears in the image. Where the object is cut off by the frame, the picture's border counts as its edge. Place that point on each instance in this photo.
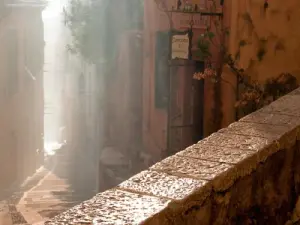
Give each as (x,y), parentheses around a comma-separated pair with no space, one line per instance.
(155,118)
(272,33)
(21,91)
(247,173)
(276,27)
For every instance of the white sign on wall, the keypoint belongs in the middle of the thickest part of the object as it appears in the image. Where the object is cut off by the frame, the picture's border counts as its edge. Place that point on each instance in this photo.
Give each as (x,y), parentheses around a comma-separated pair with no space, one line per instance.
(180,46)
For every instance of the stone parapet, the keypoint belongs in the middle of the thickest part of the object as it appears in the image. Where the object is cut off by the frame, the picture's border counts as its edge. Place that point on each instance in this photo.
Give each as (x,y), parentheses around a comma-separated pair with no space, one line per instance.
(247,173)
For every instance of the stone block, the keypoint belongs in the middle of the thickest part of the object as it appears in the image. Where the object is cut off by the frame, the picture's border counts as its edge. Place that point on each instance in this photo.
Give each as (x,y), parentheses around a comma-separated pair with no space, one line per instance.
(162,185)
(262,147)
(113,207)
(295,92)
(261,117)
(268,131)
(225,139)
(216,153)
(248,173)
(193,168)
(244,162)
(286,105)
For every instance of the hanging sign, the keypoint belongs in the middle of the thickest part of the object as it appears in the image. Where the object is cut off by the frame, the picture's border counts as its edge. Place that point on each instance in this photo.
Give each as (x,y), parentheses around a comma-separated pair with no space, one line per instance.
(181,45)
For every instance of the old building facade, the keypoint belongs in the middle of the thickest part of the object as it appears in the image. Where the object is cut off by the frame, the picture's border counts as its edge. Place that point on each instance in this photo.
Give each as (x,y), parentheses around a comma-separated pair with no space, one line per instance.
(22,108)
(174,118)
(173,104)
(266,27)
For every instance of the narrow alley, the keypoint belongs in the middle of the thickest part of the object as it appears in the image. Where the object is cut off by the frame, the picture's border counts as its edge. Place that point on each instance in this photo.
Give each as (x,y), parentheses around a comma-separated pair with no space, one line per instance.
(149,112)
(53,189)
(67,176)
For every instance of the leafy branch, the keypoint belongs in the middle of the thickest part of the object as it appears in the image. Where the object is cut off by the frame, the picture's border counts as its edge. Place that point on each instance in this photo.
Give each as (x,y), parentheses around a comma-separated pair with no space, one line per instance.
(96,28)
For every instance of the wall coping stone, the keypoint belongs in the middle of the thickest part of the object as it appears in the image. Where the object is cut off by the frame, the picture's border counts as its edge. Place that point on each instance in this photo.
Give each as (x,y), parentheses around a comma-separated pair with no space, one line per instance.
(187,178)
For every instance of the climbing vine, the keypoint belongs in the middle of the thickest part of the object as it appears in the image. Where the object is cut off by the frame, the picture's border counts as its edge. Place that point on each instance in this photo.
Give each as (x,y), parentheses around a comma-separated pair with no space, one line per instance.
(251,95)
(215,37)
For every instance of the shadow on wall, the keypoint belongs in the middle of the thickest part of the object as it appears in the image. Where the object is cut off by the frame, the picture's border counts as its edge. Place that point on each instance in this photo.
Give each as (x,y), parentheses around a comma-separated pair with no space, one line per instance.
(271,36)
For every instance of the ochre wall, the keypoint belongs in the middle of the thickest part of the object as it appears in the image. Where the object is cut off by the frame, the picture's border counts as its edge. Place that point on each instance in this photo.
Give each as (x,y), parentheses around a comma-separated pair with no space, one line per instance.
(277,27)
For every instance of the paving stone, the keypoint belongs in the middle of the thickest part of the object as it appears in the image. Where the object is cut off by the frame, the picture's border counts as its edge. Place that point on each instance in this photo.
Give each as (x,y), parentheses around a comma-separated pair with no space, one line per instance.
(55,193)
(5,218)
(162,185)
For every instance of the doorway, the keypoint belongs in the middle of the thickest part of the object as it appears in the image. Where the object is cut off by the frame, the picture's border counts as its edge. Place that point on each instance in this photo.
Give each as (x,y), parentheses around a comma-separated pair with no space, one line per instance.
(187,102)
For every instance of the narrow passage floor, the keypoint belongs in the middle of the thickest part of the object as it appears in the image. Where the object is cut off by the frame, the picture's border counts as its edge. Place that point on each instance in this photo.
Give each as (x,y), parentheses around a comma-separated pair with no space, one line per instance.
(61,186)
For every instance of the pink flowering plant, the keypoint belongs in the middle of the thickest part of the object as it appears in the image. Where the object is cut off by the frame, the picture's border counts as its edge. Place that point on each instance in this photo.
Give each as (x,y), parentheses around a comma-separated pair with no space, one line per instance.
(207,73)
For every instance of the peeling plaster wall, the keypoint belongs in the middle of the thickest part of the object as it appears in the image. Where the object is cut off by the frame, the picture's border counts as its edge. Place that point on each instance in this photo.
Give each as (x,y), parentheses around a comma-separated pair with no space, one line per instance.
(279,26)
(276,28)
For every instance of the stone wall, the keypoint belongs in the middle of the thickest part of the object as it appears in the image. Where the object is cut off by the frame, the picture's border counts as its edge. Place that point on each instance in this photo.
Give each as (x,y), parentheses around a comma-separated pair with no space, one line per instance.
(244,174)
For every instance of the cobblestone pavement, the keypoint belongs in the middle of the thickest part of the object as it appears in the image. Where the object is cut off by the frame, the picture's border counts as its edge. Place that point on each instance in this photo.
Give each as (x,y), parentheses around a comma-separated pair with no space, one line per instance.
(54,189)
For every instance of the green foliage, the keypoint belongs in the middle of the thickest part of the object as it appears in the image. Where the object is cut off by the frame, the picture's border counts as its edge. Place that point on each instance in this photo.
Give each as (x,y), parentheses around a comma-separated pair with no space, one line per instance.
(96,26)
(210,35)
(203,48)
